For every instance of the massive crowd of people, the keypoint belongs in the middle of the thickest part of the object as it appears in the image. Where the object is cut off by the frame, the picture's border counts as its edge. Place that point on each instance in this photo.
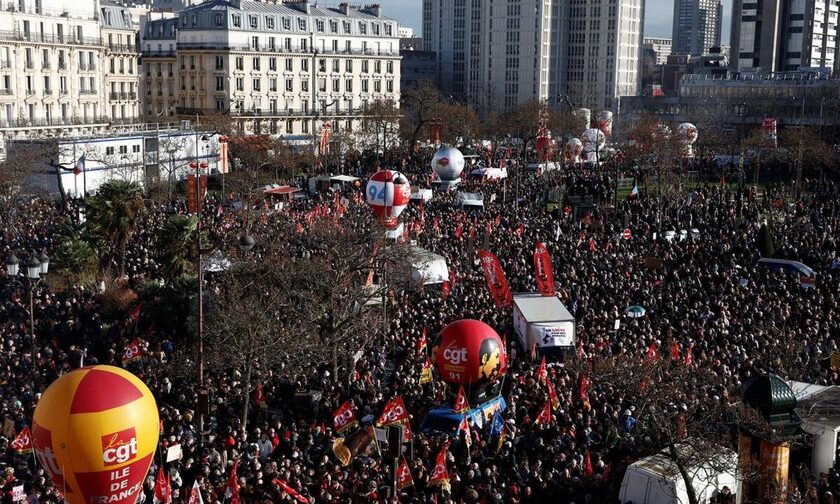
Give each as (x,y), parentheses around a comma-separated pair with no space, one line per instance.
(738,320)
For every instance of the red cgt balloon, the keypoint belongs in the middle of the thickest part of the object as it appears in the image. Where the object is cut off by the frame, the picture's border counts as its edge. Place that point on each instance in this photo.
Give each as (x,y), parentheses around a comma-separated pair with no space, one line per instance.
(469,352)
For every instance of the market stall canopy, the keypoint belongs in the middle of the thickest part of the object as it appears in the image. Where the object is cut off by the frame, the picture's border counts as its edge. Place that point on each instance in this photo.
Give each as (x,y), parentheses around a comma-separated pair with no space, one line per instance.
(278,190)
(636,311)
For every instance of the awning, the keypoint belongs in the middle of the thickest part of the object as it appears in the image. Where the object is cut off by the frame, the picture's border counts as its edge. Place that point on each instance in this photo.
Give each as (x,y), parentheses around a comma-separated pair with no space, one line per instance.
(282,190)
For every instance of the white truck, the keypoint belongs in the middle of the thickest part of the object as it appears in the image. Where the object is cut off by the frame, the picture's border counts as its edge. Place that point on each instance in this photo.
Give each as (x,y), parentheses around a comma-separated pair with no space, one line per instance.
(543,323)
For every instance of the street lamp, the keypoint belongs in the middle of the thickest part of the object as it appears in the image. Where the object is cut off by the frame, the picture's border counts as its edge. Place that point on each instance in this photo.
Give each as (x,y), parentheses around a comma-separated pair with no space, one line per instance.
(36,266)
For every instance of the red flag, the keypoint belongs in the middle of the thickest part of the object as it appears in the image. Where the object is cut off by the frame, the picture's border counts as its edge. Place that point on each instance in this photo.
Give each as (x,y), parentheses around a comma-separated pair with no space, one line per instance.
(344,417)
(544,417)
(404,478)
(446,289)
(489,230)
(461,404)
(23,441)
(498,220)
(689,355)
(583,387)
(423,342)
(435,224)
(587,464)
(592,246)
(393,413)
(675,351)
(580,353)
(259,396)
(459,231)
(552,395)
(472,231)
(652,355)
(542,372)
(195,494)
(520,230)
(440,475)
(464,427)
(290,491)
(452,278)
(542,269)
(133,352)
(495,277)
(232,487)
(163,488)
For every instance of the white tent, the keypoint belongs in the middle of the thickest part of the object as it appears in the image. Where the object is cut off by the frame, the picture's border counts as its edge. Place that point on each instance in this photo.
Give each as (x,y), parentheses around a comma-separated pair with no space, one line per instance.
(657,480)
(427,268)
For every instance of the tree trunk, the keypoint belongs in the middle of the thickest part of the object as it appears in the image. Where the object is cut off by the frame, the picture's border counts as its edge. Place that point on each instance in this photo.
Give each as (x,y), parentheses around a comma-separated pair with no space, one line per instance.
(247,400)
(689,487)
(334,353)
(61,188)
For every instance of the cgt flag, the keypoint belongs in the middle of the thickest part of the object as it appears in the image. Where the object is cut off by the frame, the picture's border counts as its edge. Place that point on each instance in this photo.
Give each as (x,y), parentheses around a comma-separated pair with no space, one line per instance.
(393,413)
(461,405)
(232,486)
(163,488)
(544,417)
(23,441)
(542,269)
(426,372)
(440,475)
(464,427)
(133,352)
(195,494)
(404,479)
(344,417)
(291,492)
(496,280)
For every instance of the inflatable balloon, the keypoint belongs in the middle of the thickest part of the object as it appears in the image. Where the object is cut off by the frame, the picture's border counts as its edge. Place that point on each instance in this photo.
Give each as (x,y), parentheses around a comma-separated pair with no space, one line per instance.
(469,352)
(574,147)
(605,122)
(688,135)
(388,193)
(95,431)
(593,142)
(584,115)
(448,163)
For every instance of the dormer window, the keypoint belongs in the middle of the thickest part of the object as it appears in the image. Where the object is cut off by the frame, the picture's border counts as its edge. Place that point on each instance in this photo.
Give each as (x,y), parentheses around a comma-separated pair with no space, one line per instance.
(388,30)
(320,24)
(219,20)
(363,28)
(252,22)
(269,22)
(237,20)
(302,24)
(333,26)
(346,27)
(376,28)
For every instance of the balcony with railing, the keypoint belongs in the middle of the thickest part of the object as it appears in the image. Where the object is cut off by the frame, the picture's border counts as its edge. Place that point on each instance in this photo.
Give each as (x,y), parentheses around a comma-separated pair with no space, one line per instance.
(272,113)
(52,121)
(283,50)
(29,65)
(48,38)
(123,48)
(6,92)
(157,53)
(30,92)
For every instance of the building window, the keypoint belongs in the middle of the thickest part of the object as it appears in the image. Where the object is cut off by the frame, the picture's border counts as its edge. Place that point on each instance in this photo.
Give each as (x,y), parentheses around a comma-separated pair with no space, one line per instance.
(220,63)
(240,84)
(256,84)
(220,83)
(320,25)
(287,23)
(304,86)
(289,65)
(336,66)
(269,22)
(348,66)
(240,64)
(376,28)
(346,25)
(219,20)
(388,30)
(220,105)
(302,24)
(304,65)
(333,26)
(109,151)
(256,62)
(389,86)
(390,67)
(237,20)
(364,85)
(252,22)
(363,28)
(290,85)
(348,85)
(272,84)
(377,86)
(336,85)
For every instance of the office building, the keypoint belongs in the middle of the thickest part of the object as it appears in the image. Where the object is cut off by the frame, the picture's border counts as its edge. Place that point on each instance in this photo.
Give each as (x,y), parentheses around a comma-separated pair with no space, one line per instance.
(274,68)
(497,55)
(603,45)
(696,26)
(658,48)
(784,35)
(494,54)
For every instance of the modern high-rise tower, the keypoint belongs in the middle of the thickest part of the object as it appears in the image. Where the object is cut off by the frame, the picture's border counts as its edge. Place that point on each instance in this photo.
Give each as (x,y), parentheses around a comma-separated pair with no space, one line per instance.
(696,26)
(501,53)
(784,35)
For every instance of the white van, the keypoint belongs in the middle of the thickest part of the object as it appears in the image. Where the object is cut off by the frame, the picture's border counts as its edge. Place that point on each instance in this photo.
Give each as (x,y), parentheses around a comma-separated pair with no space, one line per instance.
(656,479)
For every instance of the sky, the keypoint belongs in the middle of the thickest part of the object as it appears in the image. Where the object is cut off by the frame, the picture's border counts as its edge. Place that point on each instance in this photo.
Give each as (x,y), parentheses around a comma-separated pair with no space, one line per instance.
(658,15)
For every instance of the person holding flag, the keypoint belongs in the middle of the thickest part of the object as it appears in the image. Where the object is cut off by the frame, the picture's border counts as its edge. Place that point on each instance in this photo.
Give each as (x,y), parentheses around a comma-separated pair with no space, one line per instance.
(461,404)
(22,444)
(426,372)
(232,486)
(163,488)
(440,474)
(404,479)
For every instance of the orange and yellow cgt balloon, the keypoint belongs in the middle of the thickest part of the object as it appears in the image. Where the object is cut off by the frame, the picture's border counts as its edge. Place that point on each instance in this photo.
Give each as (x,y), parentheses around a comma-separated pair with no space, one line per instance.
(95,432)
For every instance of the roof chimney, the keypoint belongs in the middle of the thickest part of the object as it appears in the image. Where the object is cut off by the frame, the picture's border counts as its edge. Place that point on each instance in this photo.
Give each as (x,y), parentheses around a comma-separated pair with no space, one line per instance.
(373,9)
(301,5)
(344,7)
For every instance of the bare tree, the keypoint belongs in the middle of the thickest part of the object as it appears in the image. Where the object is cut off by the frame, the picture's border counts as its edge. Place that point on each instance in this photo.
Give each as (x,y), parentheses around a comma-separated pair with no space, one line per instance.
(380,124)
(419,102)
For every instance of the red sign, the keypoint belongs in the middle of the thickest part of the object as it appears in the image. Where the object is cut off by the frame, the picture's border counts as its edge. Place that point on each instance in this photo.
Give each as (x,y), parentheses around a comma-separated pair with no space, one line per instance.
(626,234)
(496,280)
(542,269)
(195,198)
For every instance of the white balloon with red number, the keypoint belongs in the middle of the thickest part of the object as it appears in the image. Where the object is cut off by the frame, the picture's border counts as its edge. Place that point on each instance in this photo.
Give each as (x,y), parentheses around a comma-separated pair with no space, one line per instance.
(388,193)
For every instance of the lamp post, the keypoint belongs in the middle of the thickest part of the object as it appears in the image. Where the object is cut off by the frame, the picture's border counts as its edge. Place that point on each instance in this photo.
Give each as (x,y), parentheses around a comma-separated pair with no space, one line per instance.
(35,267)
(198,166)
